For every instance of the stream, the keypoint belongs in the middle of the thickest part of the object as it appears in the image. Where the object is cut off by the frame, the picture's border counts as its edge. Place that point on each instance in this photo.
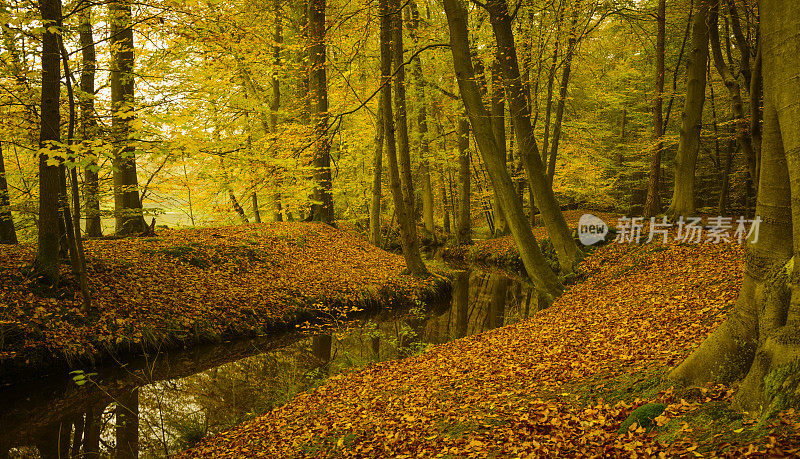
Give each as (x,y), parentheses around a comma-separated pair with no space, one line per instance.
(156,405)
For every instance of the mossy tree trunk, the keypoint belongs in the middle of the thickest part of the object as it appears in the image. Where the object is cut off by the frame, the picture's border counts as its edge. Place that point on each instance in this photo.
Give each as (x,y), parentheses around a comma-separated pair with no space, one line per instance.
(760,339)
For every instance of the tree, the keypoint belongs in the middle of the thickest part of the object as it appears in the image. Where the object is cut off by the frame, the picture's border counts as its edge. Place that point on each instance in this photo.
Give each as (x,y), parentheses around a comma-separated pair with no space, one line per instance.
(89,126)
(47,254)
(463,215)
(127,206)
(377,172)
(692,119)
(401,115)
(322,210)
(8,234)
(408,233)
(759,339)
(479,118)
(567,249)
(653,204)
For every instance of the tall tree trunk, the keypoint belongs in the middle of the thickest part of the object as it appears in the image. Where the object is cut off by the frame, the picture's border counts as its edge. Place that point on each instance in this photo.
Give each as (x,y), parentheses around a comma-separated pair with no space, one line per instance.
(422,125)
(734,91)
(47,255)
(377,173)
(127,425)
(653,203)
(408,231)
(322,210)
(562,96)
(689,144)
(535,264)
(401,122)
(499,129)
(463,218)
(558,231)
(91,188)
(127,206)
(275,103)
(8,235)
(759,338)
(551,78)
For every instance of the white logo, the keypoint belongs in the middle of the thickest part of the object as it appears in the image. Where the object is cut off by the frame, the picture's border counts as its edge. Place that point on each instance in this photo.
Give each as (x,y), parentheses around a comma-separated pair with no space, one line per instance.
(591,229)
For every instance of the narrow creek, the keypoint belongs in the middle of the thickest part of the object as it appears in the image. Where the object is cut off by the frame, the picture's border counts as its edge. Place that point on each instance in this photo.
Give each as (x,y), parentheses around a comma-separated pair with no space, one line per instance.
(157,405)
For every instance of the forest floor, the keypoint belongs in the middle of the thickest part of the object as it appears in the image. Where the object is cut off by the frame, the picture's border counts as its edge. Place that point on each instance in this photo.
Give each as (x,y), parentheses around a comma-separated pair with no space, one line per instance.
(559,384)
(187,286)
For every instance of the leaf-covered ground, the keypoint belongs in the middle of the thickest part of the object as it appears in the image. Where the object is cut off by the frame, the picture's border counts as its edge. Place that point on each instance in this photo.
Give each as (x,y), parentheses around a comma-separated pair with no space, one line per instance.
(189,285)
(503,251)
(557,385)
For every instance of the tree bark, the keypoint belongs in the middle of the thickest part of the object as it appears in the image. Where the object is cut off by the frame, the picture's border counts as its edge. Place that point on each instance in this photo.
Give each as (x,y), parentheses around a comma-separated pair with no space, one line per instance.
(759,338)
(499,129)
(377,172)
(8,234)
(689,144)
(127,206)
(562,96)
(47,255)
(535,264)
(463,217)
(91,188)
(558,231)
(408,231)
(734,92)
(422,125)
(322,210)
(401,122)
(653,203)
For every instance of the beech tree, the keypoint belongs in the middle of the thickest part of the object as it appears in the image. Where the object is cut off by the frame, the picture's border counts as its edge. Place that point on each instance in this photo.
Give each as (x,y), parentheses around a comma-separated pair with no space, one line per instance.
(692,118)
(127,206)
(758,342)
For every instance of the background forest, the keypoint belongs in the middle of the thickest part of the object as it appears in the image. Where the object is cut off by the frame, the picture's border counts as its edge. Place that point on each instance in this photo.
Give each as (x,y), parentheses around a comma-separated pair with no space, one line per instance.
(223,121)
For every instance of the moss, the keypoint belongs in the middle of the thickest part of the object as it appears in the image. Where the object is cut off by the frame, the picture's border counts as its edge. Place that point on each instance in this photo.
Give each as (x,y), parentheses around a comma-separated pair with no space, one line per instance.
(643,416)
(782,388)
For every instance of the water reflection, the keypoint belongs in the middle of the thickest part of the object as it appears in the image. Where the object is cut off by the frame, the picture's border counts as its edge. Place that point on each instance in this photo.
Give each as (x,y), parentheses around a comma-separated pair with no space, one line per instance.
(156,406)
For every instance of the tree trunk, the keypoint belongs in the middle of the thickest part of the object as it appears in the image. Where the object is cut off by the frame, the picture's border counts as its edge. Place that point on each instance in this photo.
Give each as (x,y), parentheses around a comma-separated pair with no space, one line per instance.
(558,231)
(8,235)
(377,172)
(408,230)
(422,125)
(256,211)
(47,255)
(734,92)
(689,144)
(275,103)
(759,338)
(91,188)
(401,122)
(322,209)
(551,78)
(127,425)
(127,207)
(499,129)
(562,96)
(91,440)
(479,118)
(463,216)
(653,203)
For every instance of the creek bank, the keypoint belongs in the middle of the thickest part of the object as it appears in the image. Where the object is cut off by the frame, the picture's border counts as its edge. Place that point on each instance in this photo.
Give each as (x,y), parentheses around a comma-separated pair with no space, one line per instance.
(184,287)
(560,383)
